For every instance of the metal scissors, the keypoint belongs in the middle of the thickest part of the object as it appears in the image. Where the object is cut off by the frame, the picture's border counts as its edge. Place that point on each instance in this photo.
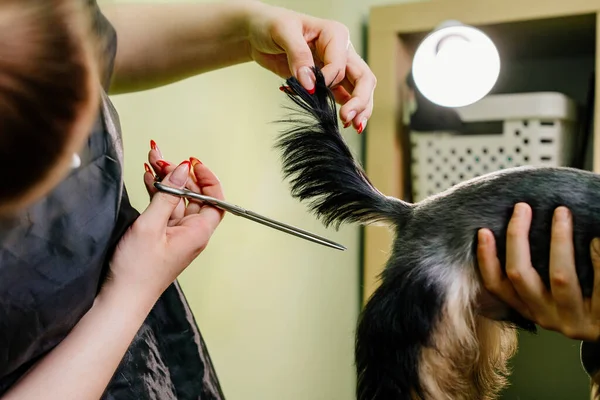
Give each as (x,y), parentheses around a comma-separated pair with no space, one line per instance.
(241,212)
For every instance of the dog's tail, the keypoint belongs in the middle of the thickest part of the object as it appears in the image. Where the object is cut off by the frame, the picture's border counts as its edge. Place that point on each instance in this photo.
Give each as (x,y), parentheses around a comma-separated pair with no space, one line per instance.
(322,168)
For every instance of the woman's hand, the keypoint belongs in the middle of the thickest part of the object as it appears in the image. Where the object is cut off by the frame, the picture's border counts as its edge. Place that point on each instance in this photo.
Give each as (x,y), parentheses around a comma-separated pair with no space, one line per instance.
(161,243)
(288,43)
(562,308)
(169,234)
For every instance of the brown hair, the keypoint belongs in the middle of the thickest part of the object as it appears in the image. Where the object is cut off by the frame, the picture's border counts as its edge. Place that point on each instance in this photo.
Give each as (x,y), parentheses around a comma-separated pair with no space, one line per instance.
(45,72)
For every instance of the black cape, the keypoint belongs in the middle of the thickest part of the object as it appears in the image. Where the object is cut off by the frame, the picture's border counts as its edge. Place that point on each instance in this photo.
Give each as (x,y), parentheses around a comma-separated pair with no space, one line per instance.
(53,258)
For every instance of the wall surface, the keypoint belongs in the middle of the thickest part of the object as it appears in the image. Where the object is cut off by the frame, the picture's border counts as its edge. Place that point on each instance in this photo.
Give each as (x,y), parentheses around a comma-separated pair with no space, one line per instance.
(278,313)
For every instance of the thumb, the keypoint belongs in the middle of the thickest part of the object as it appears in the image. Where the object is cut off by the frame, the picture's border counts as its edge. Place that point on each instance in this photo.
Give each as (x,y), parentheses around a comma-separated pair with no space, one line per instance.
(163,204)
(300,57)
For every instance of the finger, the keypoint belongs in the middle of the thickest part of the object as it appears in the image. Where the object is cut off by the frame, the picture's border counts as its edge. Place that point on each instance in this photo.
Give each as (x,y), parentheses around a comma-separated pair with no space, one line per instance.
(358,110)
(209,185)
(493,278)
(154,147)
(595,302)
(519,270)
(300,58)
(564,283)
(153,156)
(161,167)
(163,205)
(194,206)
(341,93)
(331,48)
(149,181)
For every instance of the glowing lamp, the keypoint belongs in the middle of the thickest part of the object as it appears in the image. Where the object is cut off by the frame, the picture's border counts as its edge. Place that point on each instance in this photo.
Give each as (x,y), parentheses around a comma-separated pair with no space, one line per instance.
(456,65)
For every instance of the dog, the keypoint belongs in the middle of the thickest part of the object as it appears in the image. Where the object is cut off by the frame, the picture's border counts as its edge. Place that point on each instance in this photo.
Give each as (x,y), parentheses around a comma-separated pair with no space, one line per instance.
(431,330)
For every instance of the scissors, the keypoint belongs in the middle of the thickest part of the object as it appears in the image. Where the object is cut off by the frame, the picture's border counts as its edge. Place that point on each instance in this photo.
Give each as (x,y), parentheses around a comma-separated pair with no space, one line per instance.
(241,212)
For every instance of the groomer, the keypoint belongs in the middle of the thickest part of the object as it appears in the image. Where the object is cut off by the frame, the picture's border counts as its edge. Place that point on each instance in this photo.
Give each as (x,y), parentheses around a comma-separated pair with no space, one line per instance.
(59,339)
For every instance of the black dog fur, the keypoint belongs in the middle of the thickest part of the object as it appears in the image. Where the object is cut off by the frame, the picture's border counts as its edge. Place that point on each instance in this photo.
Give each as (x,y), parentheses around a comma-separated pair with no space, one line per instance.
(423,333)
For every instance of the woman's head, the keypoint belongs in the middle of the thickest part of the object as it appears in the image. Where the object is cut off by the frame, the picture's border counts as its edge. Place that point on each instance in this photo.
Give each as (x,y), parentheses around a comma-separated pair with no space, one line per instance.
(48,94)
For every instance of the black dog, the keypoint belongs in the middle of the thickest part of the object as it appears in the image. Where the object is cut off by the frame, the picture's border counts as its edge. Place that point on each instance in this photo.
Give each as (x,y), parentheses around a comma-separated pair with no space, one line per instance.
(425,333)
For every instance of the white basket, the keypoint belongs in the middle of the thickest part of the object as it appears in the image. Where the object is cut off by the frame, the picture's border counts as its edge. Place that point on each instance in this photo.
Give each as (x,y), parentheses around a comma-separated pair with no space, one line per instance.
(538,129)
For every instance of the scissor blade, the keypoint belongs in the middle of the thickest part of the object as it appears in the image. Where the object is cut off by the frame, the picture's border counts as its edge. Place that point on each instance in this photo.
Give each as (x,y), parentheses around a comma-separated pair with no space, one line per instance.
(292,230)
(241,212)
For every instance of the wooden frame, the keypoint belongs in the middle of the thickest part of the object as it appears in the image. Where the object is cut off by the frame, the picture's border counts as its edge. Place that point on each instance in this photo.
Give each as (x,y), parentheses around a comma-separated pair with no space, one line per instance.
(390,59)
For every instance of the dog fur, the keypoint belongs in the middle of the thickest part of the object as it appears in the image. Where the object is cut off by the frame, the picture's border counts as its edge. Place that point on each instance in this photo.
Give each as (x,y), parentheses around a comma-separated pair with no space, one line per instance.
(430,330)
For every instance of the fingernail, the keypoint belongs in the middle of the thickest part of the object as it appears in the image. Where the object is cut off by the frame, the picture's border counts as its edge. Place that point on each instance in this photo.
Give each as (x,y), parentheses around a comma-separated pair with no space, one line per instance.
(482,237)
(361,126)
(181,173)
(195,161)
(562,214)
(307,79)
(153,146)
(519,210)
(347,124)
(596,245)
(147,168)
(162,164)
(351,116)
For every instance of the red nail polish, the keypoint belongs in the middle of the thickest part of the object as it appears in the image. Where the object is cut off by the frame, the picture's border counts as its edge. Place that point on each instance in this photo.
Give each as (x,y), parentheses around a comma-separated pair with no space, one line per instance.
(147,168)
(360,128)
(195,161)
(153,145)
(347,124)
(311,91)
(187,163)
(162,164)
(283,88)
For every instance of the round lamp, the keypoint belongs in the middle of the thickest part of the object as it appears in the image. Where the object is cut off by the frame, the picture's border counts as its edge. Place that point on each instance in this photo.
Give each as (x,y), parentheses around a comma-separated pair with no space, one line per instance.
(456,65)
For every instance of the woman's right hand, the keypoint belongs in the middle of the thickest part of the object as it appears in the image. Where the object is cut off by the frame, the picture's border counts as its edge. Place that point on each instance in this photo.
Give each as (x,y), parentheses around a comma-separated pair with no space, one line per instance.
(167,236)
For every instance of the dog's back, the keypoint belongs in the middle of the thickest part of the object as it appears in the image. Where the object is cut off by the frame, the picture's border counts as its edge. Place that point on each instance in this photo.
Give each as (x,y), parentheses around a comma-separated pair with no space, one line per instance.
(453,218)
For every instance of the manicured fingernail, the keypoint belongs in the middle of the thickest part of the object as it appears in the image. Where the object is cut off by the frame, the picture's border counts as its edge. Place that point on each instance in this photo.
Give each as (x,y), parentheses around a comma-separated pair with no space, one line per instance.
(154,146)
(195,161)
(307,79)
(147,168)
(181,173)
(162,164)
(361,126)
(347,124)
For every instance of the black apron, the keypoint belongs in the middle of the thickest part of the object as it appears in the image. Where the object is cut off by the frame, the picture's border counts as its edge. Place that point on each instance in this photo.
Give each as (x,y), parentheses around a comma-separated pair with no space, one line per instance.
(54,256)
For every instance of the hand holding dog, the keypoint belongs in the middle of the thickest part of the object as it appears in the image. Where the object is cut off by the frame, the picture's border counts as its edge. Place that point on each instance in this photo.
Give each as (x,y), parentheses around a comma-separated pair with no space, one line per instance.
(562,308)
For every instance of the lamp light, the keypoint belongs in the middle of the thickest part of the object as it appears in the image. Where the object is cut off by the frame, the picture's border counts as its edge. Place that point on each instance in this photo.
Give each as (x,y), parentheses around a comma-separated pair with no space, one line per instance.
(456,65)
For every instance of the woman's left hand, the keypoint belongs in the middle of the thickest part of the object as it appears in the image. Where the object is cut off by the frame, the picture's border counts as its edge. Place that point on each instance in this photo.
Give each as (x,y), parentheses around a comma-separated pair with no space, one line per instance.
(289,43)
